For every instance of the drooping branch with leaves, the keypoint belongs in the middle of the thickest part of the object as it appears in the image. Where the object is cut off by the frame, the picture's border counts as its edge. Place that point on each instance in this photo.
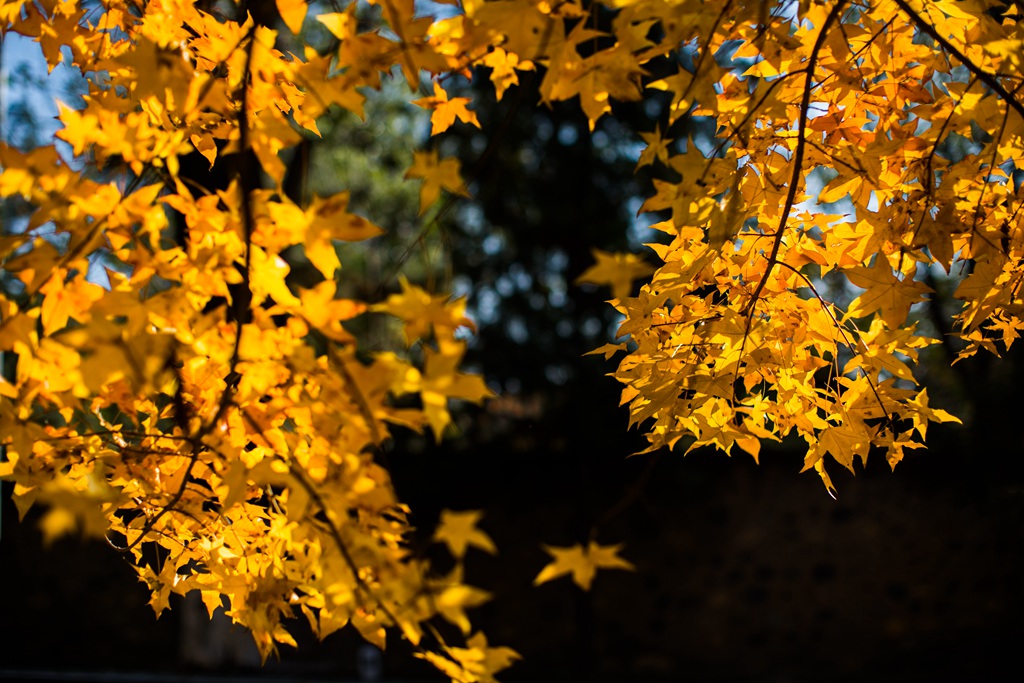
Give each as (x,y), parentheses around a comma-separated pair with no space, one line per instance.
(196,399)
(741,336)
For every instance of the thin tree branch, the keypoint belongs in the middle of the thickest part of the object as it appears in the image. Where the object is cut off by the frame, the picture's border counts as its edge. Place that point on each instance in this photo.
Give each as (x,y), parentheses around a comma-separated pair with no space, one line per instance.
(798,160)
(989,79)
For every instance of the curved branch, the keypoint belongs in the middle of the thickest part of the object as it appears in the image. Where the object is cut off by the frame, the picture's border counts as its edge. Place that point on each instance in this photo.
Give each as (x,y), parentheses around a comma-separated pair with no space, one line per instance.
(798,161)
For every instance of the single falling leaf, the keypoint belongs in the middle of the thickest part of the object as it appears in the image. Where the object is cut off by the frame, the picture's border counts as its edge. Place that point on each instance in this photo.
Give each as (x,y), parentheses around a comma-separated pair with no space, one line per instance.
(581,562)
(618,270)
(458,530)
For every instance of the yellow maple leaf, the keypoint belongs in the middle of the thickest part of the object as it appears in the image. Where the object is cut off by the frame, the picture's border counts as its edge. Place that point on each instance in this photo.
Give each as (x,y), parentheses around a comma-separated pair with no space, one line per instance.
(656,150)
(422,312)
(503,69)
(17,327)
(516,27)
(293,13)
(436,175)
(342,25)
(458,531)
(270,272)
(476,663)
(887,294)
(923,413)
(10,11)
(323,311)
(843,442)
(440,381)
(581,562)
(446,110)
(330,220)
(271,134)
(451,597)
(615,269)
(486,660)
(66,300)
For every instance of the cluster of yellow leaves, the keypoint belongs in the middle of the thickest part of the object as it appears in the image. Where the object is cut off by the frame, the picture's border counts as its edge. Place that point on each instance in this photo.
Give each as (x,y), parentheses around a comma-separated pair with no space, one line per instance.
(203,403)
(193,398)
(735,339)
(909,112)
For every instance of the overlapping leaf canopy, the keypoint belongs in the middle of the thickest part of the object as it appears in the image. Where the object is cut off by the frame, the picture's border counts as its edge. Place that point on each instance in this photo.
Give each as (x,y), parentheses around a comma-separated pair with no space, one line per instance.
(742,335)
(198,400)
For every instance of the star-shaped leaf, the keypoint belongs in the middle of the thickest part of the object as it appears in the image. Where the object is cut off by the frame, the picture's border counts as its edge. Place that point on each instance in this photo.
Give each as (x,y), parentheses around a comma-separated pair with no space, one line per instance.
(446,110)
(887,294)
(615,269)
(437,175)
(581,562)
(657,148)
(458,531)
